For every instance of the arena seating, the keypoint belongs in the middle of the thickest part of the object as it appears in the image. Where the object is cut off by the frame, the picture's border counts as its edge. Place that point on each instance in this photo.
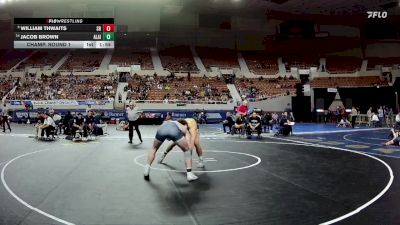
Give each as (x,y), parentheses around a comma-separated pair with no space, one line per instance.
(261,63)
(347,82)
(320,46)
(258,89)
(178,88)
(388,62)
(128,57)
(139,87)
(342,64)
(6,84)
(43,58)
(83,60)
(178,59)
(68,87)
(218,57)
(300,61)
(11,58)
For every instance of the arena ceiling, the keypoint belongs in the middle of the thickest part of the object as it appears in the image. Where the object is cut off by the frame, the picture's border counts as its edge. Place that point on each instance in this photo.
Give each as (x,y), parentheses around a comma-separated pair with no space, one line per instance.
(322,7)
(242,7)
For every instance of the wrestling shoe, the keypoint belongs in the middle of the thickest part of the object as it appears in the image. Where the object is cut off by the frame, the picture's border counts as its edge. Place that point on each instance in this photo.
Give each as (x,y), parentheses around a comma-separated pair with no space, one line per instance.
(146,172)
(191,177)
(200,164)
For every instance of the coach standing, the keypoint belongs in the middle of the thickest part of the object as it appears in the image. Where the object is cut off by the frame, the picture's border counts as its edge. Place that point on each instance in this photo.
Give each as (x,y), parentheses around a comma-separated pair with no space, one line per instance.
(4,112)
(133,113)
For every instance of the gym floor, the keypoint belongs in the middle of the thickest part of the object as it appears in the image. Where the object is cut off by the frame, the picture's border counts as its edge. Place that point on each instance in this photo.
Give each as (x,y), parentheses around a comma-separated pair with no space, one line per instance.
(339,176)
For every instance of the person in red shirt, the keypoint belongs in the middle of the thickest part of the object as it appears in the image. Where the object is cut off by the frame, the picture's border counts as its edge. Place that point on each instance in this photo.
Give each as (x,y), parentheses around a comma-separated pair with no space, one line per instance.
(243,108)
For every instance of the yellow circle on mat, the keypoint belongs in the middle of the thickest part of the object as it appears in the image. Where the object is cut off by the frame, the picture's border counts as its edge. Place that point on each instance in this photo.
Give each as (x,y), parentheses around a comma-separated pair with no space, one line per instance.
(312,140)
(358,146)
(334,143)
(385,150)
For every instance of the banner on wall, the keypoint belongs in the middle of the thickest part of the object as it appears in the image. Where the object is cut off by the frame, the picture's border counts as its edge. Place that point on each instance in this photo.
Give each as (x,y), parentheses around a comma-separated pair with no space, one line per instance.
(135,67)
(54,102)
(93,102)
(212,116)
(59,102)
(332,90)
(17,102)
(123,69)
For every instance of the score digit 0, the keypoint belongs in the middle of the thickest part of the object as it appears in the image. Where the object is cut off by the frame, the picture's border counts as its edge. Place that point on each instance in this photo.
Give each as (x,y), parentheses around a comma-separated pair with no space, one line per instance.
(108,36)
(108,27)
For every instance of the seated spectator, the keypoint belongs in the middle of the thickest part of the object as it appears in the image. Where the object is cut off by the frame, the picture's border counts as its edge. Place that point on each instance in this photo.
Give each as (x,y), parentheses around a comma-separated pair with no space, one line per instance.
(48,125)
(38,125)
(57,120)
(67,122)
(254,125)
(375,120)
(79,125)
(100,124)
(89,122)
(285,126)
(267,122)
(239,125)
(228,122)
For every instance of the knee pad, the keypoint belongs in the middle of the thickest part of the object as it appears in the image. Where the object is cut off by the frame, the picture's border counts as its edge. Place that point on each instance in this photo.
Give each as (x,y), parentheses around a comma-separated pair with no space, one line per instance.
(188,154)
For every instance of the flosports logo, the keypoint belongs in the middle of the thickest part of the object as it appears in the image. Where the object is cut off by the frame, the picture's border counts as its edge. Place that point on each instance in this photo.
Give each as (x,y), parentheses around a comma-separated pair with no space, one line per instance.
(377,14)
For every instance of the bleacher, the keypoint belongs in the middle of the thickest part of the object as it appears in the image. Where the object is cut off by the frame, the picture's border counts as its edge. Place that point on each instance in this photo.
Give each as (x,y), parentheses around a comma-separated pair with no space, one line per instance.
(127,57)
(178,59)
(258,89)
(6,84)
(67,87)
(261,63)
(178,88)
(343,64)
(300,61)
(386,62)
(218,57)
(334,82)
(41,59)
(11,58)
(159,88)
(83,60)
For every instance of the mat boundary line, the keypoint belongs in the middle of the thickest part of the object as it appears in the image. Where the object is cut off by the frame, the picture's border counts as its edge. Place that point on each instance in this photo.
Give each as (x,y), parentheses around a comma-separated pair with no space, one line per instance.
(22,201)
(365,205)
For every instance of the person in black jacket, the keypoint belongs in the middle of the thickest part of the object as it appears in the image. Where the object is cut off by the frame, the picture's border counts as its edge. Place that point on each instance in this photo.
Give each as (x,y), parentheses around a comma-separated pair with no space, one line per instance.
(286,129)
(254,125)
(66,123)
(228,122)
(89,121)
(267,122)
(79,125)
(239,125)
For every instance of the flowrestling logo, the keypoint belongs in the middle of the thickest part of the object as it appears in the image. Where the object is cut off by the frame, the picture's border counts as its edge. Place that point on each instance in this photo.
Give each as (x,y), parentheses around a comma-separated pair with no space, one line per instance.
(377,14)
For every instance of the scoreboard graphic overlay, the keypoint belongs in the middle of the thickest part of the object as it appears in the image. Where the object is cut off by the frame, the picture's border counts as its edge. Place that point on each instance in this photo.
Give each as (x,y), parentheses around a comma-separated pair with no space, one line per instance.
(68,33)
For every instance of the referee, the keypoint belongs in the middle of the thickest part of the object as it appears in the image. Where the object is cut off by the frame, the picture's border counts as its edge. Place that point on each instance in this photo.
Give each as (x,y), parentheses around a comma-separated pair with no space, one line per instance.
(133,113)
